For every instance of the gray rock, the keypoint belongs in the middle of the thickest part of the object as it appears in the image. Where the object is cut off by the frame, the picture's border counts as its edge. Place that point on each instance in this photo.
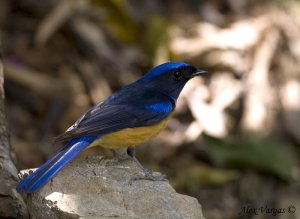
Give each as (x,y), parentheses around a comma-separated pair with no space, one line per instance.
(91,187)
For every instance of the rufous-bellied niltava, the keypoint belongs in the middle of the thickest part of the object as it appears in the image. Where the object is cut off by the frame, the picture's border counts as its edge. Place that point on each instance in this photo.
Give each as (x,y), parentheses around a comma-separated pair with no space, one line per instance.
(129,117)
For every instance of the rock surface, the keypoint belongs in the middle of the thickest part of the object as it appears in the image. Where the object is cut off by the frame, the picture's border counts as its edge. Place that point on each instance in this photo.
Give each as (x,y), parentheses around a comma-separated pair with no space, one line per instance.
(91,188)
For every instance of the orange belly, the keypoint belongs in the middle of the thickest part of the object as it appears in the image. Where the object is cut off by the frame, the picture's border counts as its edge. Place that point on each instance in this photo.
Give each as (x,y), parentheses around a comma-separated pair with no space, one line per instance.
(130,136)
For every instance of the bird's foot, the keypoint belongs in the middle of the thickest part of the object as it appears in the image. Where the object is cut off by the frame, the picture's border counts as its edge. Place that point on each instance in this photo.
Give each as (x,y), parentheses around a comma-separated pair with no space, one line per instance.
(148,174)
(153,176)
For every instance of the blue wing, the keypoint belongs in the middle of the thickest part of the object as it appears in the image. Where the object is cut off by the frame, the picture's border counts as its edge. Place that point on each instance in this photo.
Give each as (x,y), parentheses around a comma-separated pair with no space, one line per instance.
(109,117)
(45,172)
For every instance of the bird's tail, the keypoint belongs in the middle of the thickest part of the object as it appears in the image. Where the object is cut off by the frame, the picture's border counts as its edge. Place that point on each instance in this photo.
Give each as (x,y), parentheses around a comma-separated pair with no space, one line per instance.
(45,172)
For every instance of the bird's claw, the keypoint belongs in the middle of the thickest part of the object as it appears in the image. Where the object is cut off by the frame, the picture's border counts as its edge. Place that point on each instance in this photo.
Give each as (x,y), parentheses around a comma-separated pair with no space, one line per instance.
(150,176)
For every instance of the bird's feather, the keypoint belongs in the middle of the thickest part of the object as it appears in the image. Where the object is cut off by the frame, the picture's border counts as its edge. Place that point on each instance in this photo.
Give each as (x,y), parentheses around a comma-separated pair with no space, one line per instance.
(45,172)
(109,117)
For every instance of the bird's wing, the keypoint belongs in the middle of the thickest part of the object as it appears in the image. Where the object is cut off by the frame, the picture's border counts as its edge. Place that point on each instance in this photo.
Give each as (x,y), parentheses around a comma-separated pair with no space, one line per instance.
(106,118)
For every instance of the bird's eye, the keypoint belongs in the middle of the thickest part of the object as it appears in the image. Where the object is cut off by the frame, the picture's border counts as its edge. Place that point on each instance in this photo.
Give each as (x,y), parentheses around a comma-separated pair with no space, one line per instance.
(177,75)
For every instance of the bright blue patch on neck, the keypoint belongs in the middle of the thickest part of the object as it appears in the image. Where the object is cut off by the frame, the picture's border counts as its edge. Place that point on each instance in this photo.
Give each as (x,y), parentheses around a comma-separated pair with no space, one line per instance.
(161,107)
(163,68)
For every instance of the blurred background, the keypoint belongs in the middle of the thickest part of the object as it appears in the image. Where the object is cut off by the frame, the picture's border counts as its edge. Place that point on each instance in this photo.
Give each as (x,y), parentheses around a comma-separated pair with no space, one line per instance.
(234,139)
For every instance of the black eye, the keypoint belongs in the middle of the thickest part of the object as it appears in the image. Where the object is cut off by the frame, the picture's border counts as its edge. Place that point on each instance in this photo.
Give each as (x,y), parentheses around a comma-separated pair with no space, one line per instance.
(177,75)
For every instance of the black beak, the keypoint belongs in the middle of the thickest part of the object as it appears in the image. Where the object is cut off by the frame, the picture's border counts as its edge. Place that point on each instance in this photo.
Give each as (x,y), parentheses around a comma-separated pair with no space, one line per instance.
(197,73)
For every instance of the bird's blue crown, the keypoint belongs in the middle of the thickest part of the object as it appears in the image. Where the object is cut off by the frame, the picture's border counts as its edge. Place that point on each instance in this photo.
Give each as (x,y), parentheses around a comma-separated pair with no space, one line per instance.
(163,68)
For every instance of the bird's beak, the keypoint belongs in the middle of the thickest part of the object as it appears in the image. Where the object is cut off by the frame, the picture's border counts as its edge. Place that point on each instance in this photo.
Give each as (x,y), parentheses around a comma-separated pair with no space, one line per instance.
(197,73)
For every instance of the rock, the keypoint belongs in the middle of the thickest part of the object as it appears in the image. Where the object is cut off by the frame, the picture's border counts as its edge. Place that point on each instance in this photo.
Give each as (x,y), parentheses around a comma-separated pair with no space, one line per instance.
(90,187)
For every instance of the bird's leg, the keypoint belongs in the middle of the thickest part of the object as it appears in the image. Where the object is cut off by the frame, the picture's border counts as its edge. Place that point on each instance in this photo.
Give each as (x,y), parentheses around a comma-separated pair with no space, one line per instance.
(148,175)
(131,152)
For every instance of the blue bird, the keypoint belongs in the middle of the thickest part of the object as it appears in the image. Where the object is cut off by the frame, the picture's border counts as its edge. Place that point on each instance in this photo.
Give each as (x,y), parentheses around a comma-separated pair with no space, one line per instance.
(130,117)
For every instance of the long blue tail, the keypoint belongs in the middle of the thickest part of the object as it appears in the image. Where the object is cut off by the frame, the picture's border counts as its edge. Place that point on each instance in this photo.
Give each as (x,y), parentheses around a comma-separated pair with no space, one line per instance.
(45,172)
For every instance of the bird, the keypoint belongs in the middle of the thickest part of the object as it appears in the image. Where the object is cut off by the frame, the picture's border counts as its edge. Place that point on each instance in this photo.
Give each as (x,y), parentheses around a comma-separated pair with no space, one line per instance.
(129,117)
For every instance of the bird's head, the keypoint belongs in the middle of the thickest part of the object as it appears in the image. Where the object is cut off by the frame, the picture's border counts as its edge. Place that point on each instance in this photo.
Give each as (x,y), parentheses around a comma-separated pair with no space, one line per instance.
(170,77)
